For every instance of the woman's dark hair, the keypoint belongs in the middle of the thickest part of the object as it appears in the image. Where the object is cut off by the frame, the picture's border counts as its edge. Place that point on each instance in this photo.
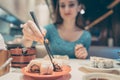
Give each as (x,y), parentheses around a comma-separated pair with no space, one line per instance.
(79,19)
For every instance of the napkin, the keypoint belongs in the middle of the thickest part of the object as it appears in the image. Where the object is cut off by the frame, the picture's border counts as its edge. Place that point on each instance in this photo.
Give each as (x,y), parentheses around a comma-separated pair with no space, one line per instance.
(2,43)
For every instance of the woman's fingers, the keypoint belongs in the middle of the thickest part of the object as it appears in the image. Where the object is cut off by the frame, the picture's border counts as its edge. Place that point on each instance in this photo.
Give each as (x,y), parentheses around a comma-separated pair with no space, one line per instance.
(43,31)
(78,46)
(83,56)
(80,52)
(31,32)
(34,29)
(27,32)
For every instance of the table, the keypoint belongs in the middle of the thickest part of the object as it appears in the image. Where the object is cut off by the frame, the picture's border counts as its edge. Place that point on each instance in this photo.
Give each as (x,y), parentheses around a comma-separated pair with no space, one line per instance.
(75,74)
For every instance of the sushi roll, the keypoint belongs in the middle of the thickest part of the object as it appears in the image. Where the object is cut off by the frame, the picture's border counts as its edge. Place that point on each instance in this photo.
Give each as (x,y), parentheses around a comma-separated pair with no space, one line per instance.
(46,68)
(40,66)
(93,61)
(101,64)
(109,64)
(34,66)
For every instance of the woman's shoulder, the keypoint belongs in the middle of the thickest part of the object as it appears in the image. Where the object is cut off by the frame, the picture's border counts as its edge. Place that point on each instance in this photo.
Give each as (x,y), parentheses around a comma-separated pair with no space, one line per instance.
(49,26)
(87,33)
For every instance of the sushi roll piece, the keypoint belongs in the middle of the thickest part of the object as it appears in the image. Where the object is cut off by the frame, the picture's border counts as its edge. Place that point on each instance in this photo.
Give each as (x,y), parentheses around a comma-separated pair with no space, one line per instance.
(93,62)
(34,66)
(101,64)
(46,68)
(109,64)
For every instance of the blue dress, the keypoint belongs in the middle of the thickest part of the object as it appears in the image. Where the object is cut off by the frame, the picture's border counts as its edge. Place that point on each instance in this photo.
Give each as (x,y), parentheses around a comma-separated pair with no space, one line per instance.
(59,46)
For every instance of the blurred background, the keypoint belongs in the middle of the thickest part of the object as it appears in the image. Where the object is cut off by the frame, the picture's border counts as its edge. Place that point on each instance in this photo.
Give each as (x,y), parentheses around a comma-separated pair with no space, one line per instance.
(102,18)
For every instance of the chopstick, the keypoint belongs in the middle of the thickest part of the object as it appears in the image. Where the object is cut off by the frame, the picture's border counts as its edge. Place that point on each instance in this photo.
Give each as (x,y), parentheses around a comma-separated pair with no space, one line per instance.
(6,63)
(46,45)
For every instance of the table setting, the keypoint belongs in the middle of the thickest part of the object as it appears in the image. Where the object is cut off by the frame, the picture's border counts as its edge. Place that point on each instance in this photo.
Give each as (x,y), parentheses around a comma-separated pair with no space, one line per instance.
(74,73)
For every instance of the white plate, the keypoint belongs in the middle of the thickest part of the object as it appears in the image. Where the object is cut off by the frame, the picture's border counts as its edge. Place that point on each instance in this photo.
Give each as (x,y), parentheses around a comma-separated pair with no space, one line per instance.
(92,69)
(100,76)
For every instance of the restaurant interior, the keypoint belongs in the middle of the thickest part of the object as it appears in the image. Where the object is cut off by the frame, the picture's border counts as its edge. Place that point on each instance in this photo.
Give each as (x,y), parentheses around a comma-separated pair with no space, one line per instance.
(102,20)
(101,17)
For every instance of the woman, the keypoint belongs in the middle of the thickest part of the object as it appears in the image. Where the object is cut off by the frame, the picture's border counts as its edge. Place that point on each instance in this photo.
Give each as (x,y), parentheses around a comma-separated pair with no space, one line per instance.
(67,35)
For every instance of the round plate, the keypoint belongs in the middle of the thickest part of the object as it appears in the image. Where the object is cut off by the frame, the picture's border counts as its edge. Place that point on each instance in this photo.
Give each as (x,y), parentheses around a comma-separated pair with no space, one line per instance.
(92,69)
(65,70)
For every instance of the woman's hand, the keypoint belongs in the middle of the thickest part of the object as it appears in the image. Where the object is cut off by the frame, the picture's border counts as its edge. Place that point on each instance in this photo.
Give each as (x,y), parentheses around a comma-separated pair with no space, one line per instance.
(80,51)
(32,33)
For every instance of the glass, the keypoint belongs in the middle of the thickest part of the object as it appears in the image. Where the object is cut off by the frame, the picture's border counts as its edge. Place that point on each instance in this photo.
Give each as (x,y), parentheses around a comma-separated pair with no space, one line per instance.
(118,58)
(118,55)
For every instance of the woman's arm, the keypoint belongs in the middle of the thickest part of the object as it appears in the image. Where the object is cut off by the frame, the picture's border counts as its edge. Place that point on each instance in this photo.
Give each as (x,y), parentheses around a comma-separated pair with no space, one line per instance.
(81,50)
(87,41)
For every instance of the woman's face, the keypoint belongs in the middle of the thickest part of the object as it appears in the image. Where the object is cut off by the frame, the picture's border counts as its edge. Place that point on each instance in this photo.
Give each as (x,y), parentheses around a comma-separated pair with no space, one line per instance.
(68,9)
